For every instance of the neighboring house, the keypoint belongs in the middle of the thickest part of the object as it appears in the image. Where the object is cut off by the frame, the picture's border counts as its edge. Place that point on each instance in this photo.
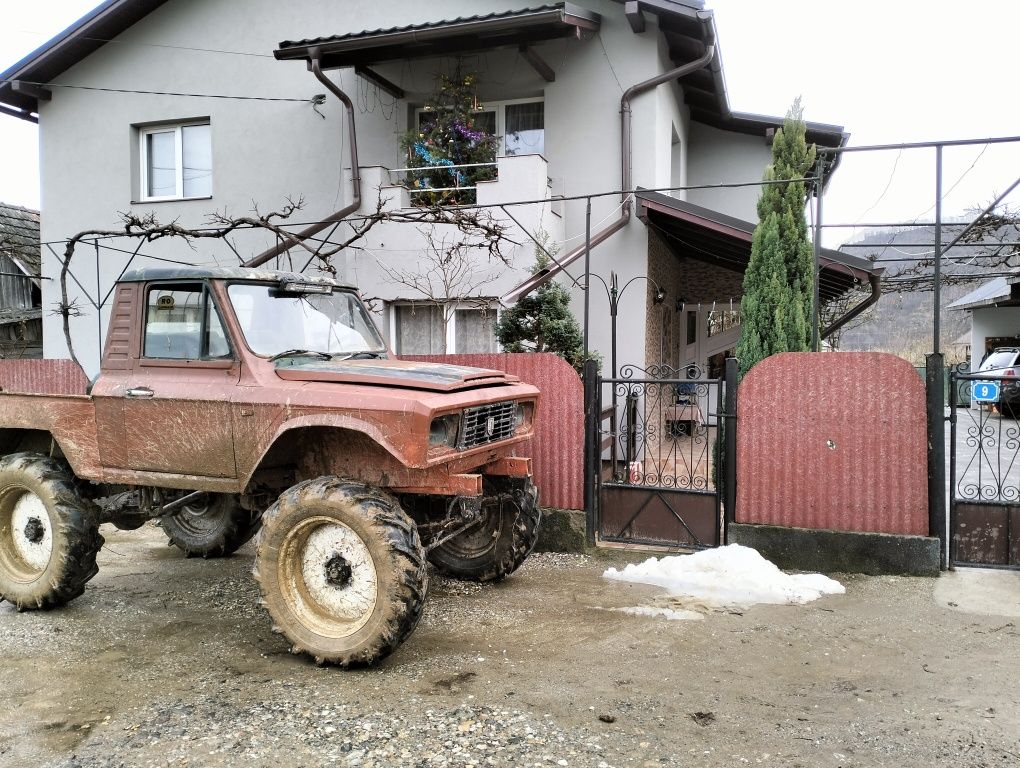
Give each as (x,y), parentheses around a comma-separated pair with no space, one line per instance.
(20,292)
(994,309)
(551,80)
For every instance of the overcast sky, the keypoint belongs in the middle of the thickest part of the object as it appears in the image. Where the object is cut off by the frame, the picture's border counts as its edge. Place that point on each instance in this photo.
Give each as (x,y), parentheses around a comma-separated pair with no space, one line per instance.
(890,72)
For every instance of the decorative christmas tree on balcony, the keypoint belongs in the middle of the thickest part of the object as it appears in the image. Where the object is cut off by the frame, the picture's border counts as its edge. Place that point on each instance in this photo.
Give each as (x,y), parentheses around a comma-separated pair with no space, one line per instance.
(449,137)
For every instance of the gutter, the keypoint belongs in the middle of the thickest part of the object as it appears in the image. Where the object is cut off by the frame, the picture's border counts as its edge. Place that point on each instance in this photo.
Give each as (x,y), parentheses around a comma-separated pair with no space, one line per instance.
(627,166)
(314,64)
(876,293)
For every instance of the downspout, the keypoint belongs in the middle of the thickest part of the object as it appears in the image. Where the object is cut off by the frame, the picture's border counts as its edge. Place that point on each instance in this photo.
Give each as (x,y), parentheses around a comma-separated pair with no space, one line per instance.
(627,170)
(315,57)
(876,292)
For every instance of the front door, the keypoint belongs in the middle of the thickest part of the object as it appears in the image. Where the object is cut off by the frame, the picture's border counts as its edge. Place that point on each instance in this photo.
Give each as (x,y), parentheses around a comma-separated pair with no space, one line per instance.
(171,412)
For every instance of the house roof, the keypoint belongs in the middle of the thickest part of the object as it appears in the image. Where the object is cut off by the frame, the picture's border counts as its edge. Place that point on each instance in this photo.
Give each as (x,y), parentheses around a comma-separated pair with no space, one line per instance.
(438,38)
(19,96)
(19,239)
(996,292)
(685,24)
(725,241)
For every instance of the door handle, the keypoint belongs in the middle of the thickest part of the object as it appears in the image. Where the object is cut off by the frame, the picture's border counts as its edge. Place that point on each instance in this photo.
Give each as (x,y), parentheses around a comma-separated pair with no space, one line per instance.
(139,392)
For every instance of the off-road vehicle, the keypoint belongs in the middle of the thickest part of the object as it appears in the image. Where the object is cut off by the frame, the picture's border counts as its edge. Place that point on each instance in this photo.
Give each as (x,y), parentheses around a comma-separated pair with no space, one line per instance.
(234,402)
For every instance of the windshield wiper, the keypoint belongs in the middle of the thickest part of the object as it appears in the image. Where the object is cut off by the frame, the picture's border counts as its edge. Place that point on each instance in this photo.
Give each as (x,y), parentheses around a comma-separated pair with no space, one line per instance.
(299,352)
(362,356)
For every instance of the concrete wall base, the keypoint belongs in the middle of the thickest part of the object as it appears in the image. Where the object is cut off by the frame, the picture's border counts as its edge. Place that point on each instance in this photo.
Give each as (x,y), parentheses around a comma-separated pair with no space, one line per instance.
(840,551)
(562,531)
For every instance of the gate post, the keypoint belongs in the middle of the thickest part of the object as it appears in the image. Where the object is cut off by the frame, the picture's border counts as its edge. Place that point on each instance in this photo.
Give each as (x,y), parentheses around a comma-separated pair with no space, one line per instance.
(730,444)
(593,447)
(935,372)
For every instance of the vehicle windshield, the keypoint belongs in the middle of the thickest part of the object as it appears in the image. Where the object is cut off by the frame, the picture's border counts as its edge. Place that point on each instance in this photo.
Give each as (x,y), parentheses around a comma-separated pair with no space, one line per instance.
(274,322)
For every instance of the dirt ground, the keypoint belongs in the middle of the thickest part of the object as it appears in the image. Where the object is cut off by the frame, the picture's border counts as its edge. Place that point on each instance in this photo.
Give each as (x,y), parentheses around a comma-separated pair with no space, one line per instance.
(170,662)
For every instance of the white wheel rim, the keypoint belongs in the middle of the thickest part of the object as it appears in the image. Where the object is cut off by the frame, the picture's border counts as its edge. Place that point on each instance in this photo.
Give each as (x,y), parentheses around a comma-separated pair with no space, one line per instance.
(31,533)
(329,576)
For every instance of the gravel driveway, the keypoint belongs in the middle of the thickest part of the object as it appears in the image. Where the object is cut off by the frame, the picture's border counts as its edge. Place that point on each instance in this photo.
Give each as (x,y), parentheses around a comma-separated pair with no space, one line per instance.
(170,662)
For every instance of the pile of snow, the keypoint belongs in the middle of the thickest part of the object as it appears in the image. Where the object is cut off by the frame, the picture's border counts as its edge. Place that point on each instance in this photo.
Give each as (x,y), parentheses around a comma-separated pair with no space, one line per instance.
(727,578)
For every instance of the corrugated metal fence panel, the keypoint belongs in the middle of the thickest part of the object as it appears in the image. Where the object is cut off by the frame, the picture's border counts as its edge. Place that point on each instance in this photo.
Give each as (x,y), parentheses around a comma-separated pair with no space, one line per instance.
(557,450)
(834,441)
(45,377)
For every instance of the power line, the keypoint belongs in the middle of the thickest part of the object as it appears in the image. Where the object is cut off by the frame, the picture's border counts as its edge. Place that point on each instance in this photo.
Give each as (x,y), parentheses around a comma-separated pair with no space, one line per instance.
(158,45)
(164,93)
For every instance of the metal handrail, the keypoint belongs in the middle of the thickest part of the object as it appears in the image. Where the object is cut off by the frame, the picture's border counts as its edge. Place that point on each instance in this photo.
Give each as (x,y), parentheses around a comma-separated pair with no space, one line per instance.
(442,167)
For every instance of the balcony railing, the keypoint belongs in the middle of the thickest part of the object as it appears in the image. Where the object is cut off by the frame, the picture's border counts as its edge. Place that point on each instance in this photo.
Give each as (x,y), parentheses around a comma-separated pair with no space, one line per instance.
(449,169)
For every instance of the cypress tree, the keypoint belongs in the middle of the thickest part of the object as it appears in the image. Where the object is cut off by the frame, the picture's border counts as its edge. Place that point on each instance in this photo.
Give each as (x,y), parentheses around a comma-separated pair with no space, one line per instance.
(778,287)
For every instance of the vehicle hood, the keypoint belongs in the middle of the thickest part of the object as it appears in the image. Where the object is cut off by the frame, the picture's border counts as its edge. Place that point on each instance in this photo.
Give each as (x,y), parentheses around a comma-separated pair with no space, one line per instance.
(437,377)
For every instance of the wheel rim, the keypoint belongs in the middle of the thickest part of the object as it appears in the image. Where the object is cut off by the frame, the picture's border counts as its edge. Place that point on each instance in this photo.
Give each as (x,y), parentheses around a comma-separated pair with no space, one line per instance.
(26,544)
(328,577)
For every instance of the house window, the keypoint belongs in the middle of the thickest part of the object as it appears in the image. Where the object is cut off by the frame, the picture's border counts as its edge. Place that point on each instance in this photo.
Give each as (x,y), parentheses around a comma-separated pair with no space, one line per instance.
(475,330)
(181,323)
(176,161)
(722,321)
(419,329)
(521,123)
(692,327)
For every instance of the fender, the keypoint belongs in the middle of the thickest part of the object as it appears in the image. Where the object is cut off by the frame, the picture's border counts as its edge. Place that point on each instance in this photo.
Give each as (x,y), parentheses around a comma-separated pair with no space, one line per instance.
(335,421)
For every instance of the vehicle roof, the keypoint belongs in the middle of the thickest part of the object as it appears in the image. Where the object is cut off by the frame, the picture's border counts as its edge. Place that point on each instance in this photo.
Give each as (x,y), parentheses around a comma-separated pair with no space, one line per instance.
(227,273)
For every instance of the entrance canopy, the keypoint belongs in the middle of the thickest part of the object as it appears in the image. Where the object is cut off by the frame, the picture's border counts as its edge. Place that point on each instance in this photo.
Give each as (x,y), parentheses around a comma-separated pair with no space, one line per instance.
(722,241)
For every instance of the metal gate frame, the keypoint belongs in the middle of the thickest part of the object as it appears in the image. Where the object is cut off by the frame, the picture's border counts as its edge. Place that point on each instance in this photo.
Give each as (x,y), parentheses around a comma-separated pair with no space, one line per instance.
(984,502)
(650,450)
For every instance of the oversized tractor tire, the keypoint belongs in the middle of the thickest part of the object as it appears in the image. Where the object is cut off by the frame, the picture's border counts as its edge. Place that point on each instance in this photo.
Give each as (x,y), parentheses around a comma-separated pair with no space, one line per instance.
(342,571)
(49,534)
(502,540)
(214,527)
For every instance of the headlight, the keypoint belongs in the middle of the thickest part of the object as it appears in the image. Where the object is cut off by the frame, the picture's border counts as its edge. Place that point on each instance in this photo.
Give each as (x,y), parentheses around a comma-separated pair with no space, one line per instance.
(523,415)
(443,431)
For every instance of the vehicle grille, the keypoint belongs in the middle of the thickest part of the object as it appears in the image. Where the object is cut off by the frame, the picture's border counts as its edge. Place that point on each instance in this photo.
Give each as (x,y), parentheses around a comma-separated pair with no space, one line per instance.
(487,424)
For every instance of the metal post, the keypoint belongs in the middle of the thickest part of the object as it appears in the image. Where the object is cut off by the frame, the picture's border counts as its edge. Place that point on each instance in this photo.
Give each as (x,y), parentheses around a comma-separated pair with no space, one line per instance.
(815,309)
(953,385)
(935,371)
(587,272)
(614,305)
(99,307)
(730,442)
(935,381)
(937,275)
(593,447)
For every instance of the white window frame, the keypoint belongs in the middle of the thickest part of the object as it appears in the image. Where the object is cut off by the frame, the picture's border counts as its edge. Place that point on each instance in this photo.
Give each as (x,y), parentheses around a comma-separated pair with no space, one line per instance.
(499,107)
(451,329)
(143,160)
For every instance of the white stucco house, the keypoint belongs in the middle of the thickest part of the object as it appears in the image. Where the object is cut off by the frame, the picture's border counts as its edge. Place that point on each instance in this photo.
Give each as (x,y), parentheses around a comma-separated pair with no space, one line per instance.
(994,309)
(185,107)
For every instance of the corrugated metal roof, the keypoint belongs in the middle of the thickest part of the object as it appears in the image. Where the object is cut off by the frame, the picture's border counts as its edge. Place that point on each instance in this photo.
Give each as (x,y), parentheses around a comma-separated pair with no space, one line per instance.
(19,237)
(994,290)
(420,27)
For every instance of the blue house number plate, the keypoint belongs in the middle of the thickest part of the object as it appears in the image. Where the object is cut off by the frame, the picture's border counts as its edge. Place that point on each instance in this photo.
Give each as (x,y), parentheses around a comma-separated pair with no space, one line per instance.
(985,392)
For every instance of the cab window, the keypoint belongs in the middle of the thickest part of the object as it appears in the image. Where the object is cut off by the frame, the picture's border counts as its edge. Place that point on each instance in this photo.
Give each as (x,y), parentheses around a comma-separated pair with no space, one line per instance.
(181,323)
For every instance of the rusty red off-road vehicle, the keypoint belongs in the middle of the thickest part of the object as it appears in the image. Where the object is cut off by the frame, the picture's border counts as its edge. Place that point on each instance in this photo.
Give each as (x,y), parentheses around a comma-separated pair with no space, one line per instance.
(234,402)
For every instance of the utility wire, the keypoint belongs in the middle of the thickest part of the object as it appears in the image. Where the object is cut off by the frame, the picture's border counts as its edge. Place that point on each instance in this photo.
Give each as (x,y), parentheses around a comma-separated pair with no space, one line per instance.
(153,45)
(164,93)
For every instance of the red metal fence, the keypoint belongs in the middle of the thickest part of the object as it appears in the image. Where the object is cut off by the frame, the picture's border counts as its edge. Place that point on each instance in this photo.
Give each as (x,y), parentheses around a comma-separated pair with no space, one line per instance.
(833,441)
(558,447)
(44,377)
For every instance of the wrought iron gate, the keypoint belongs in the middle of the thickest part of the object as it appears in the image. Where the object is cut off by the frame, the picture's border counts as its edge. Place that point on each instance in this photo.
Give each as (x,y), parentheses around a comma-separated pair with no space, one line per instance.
(658,456)
(984,472)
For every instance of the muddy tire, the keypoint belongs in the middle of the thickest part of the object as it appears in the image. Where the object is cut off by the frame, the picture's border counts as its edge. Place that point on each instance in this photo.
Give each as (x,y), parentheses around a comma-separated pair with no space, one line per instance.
(342,571)
(215,527)
(49,534)
(502,541)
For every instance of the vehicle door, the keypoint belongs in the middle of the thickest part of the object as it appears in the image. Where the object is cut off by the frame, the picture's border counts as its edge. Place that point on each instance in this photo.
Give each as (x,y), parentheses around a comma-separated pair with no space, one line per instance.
(171,412)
